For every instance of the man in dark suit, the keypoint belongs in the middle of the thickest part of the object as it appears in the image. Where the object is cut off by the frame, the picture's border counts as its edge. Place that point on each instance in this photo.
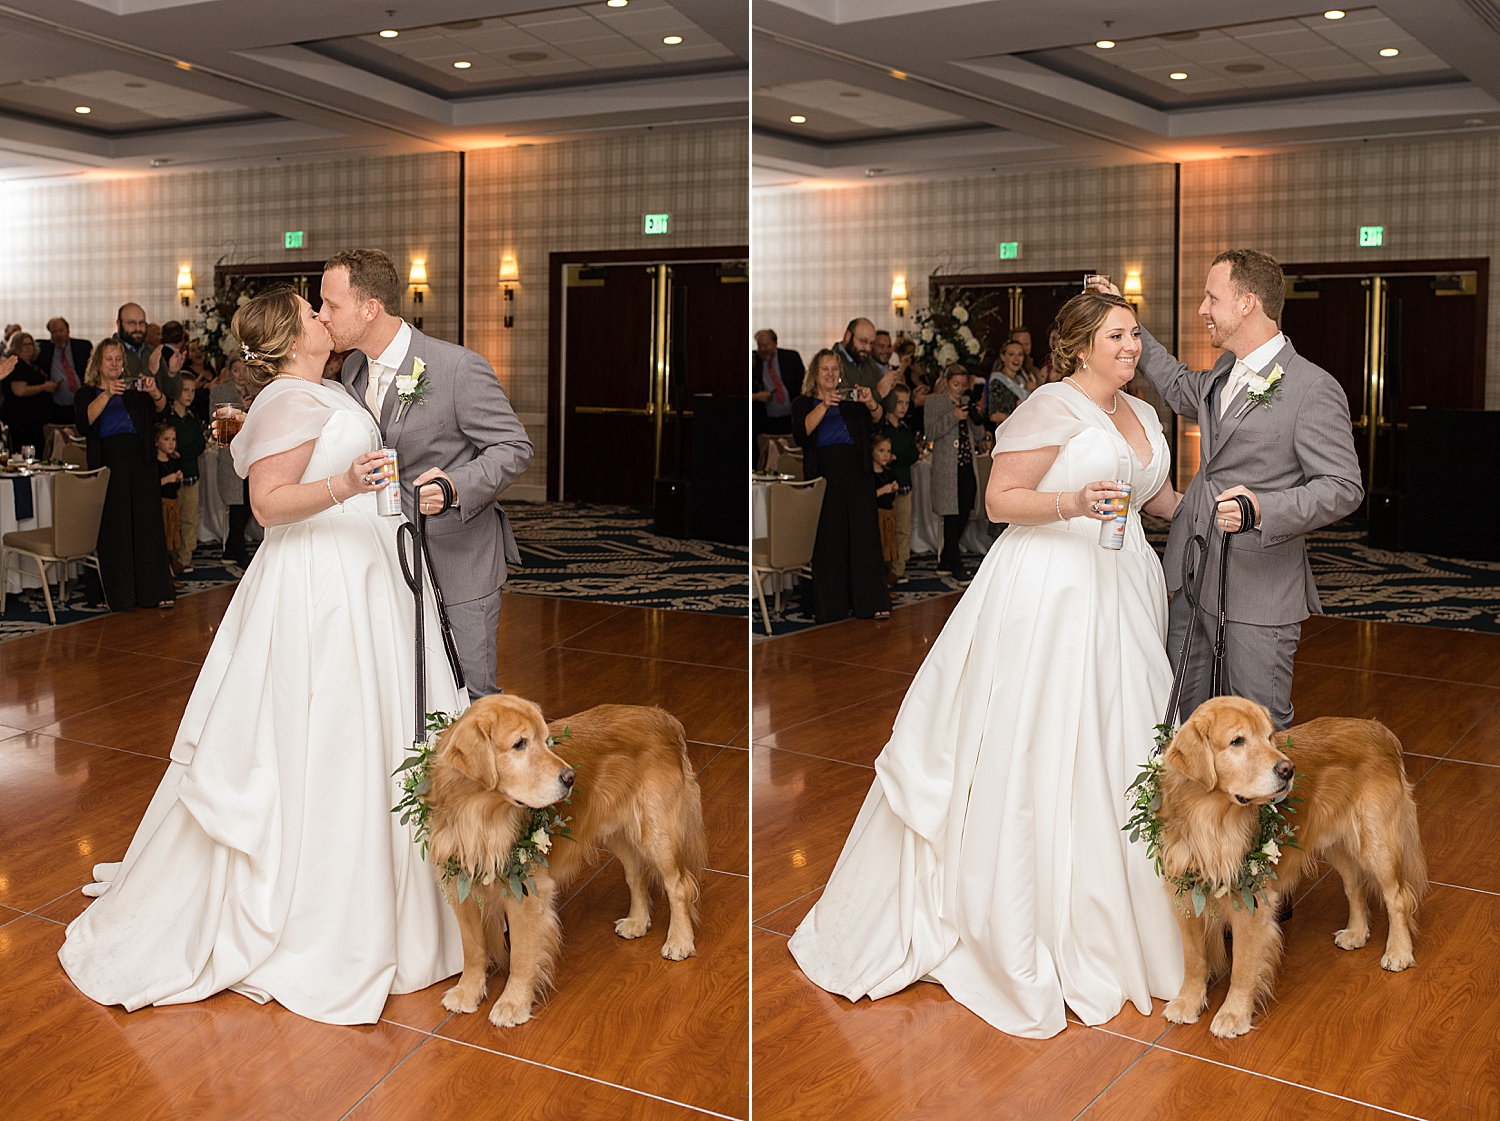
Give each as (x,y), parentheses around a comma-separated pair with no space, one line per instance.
(775,378)
(64,359)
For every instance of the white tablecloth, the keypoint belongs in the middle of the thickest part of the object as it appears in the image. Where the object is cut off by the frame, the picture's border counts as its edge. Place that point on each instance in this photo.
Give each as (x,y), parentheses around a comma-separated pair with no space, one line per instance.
(927,527)
(41,503)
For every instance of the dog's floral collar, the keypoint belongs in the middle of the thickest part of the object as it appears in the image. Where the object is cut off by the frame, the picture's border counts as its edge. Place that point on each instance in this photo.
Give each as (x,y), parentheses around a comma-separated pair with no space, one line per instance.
(1250,886)
(1262,390)
(514,875)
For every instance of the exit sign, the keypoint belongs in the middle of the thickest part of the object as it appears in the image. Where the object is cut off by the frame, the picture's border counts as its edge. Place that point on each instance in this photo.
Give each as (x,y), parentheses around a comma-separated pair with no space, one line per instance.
(294,239)
(1010,250)
(1372,235)
(656,223)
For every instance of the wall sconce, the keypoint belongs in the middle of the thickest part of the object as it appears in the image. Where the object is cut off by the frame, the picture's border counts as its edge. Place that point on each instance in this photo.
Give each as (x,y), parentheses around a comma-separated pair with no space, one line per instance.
(898,296)
(185,285)
(510,276)
(417,280)
(1132,289)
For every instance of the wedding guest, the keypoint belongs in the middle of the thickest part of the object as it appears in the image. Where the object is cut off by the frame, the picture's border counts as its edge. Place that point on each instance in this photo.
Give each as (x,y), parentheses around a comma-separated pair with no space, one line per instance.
(1023,336)
(1047,372)
(28,395)
(886,487)
(192,442)
(881,349)
(834,435)
(1008,387)
(858,366)
(169,471)
(233,490)
(905,453)
(119,425)
(954,424)
(173,335)
(63,358)
(10,329)
(143,358)
(153,335)
(774,373)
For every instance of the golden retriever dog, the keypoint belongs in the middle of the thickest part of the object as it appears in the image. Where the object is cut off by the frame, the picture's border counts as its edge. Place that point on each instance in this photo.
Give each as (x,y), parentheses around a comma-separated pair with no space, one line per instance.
(1356,811)
(635,795)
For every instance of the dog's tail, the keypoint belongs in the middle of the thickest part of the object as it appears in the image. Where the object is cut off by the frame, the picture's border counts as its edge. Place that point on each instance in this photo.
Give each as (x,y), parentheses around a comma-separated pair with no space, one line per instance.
(1413,860)
(693,856)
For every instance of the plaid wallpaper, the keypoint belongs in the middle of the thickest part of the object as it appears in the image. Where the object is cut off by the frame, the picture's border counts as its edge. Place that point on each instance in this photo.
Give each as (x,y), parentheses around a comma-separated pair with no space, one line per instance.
(1436,197)
(823,256)
(79,248)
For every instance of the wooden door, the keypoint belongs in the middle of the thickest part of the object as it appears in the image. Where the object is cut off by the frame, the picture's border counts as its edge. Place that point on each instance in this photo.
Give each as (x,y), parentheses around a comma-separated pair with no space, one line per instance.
(710,321)
(609,435)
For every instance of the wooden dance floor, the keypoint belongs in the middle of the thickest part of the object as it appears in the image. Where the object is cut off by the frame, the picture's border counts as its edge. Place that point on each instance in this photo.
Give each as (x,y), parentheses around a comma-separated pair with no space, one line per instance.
(87,715)
(1341,1040)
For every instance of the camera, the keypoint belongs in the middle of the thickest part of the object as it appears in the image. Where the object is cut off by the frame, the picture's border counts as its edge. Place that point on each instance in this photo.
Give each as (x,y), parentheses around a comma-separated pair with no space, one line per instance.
(850,393)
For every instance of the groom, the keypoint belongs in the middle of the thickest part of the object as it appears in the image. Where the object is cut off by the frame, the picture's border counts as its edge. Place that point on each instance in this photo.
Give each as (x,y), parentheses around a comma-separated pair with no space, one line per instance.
(1274,427)
(448,418)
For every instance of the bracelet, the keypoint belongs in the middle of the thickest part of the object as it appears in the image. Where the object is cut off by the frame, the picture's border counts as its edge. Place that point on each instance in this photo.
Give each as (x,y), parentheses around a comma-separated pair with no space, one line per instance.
(329,483)
(1057,501)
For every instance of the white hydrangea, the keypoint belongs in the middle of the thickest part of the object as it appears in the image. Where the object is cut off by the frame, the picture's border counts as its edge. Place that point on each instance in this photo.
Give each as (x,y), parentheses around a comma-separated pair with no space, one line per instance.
(947,355)
(542,840)
(926,334)
(960,313)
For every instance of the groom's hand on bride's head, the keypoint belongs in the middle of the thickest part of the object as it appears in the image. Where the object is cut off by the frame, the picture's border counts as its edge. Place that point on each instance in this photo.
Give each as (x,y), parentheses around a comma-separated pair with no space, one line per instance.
(1228,513)
(1103,284)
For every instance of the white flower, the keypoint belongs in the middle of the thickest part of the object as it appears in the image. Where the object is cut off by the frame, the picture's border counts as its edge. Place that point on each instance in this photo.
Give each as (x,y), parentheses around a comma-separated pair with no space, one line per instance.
(1222,892)
(242,301)
(405,384)
(947,354)
(965,334)
(418,367)
(926,334)
(1257,383)
(542,840)
(960,313)
(1272,851)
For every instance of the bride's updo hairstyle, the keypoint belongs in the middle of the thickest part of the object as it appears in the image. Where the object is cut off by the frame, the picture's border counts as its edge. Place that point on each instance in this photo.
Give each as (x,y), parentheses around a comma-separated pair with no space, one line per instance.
(1079,318)
(268,328)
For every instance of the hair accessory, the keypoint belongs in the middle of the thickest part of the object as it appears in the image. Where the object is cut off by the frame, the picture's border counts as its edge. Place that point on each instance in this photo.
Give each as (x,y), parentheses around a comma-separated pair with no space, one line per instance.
(250,355)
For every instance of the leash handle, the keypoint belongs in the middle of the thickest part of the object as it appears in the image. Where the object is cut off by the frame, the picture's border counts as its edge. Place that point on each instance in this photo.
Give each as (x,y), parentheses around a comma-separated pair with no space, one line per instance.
(450,644)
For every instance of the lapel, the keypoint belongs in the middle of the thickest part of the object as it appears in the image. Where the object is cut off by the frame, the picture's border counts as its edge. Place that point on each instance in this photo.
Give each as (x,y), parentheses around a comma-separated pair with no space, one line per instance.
(1208,410)
(1238,412)
(389,405)
(356,376)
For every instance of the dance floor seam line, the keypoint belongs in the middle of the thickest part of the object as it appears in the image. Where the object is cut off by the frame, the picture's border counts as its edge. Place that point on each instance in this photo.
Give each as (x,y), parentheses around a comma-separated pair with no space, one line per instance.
(831,712)
(1390,673)
(426,1038)
(643,657)
(820,758)
(592,1078)
(1286,1082)
(1145,1050)
(789,902)
(106,704)
(1463,887)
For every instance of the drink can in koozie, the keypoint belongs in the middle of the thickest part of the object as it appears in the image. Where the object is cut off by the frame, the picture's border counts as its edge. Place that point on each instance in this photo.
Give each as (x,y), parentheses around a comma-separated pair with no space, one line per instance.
(1112,532)
(388,499)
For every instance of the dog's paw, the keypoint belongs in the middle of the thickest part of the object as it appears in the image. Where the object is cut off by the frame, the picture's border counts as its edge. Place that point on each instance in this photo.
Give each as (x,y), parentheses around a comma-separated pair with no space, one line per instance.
(509,1013)
(1185,1009)
(632,928)
(1397,960)
(1230,1023)
(460,999)
(1350,939)
(678,949)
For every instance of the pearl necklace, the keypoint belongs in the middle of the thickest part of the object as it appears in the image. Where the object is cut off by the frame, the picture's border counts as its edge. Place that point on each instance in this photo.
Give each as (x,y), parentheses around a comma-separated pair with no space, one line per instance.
(1107,412)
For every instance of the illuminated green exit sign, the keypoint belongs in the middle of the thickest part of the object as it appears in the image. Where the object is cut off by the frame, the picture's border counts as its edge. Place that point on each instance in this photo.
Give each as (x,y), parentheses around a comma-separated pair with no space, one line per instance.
(1010,250)
(294,239)
(1372,235)
(656,223)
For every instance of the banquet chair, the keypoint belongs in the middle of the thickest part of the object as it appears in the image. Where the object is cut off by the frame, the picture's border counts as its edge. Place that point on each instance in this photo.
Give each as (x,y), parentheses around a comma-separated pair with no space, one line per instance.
(790,463)
(792,511)
(77,506)
(75,454)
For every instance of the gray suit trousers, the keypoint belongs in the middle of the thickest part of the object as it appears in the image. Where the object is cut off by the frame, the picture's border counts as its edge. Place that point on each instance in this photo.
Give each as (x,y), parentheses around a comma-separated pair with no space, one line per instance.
(1257,660)
(474,625)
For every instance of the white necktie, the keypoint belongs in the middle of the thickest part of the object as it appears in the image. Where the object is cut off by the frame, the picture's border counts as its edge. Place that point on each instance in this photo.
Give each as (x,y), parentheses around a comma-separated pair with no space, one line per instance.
(1237,378)
(372,391)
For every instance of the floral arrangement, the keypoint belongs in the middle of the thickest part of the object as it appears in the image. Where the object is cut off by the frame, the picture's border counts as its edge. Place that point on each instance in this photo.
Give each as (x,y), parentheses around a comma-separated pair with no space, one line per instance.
(514,875)
(945,335)
(411,389)
(1249,887)
(214,334)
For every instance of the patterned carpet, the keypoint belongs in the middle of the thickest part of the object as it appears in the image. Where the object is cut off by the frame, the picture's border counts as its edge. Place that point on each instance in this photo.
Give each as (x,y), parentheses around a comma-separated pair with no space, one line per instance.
(1354,581)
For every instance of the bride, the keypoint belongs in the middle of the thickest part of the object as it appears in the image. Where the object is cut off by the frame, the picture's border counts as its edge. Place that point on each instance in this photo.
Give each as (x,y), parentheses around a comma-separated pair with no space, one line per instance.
(268,861)
(988,856)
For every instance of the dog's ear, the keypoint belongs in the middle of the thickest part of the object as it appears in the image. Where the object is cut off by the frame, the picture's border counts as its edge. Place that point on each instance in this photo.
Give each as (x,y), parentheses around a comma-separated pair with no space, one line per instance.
(1192,753)
(467,748)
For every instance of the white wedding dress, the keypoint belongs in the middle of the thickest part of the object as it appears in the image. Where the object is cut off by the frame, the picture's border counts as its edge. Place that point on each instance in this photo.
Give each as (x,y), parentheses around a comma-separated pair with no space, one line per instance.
(269,861)
(988,855)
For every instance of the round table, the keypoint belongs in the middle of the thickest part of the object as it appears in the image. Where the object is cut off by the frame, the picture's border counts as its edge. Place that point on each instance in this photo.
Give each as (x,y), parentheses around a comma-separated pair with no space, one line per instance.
(927,527)
(40,485)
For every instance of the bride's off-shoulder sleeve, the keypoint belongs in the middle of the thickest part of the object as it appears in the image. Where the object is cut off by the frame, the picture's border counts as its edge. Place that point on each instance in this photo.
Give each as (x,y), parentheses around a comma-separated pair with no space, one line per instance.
(284,416)
(1041,421)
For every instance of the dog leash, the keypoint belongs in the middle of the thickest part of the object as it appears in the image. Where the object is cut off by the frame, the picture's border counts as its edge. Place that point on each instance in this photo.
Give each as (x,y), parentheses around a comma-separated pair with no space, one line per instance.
(413,575)
(1193,572)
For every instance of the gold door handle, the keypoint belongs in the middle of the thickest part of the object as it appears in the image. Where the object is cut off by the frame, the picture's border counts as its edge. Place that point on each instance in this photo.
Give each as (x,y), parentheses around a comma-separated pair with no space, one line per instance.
(600,410)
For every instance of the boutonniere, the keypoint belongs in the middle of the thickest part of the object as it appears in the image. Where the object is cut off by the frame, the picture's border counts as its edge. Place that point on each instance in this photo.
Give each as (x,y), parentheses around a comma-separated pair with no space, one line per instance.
(410,390)
(1262,390)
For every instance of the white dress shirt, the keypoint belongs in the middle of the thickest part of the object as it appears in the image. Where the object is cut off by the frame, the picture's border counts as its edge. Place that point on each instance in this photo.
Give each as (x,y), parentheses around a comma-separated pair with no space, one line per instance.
(383,369)
(1253,363)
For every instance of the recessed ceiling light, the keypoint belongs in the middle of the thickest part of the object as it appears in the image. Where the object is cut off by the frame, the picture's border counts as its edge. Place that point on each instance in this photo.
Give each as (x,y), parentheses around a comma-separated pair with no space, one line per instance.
(616,3)
(389,34)
(1333,13)
(82,109)
(672,40)
(1178,76)
(1389,52)
(462,65)
(798,119)
(1105,44)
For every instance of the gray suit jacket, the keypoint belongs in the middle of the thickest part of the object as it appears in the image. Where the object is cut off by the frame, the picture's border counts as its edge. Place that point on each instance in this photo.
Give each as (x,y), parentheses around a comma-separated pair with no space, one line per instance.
(465,426)
(941,427)
(1297,456)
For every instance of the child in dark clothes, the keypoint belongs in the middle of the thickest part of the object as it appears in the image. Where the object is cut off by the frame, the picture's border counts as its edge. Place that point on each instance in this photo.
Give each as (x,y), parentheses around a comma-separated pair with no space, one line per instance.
(886,486)
(169,467)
